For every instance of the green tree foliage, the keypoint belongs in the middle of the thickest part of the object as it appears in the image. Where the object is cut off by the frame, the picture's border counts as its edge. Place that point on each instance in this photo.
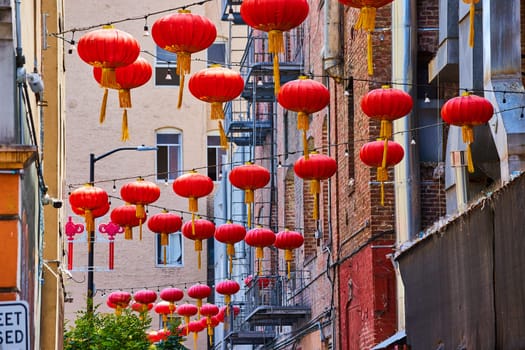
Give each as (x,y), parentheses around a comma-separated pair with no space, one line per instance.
(96,331)
(174,340)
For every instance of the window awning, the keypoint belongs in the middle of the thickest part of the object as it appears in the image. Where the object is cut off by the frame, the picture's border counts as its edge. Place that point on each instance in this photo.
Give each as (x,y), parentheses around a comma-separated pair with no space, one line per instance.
(400,335)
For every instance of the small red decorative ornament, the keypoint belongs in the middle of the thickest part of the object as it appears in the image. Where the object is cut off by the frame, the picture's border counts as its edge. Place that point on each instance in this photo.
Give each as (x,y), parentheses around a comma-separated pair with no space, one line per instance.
(230,234)
(164,224)
(227,288)
(125,216)
(199,292)
(366,21)
(71,230)
(108,48)
(225,309)
(120,299)
(186,311)
(261,282)
(164,309)
(171,295)
(142,309)
(209,310)
(183,33)
(140,193)
(288,241)
(87,199)
(216,85)
(249,177)
(372,154)
(128,77)
(274,17)
(111,229)
(315,168)
(195,327)
(304,96)
(467,111)
(259,238)
(204,229)
(193,185)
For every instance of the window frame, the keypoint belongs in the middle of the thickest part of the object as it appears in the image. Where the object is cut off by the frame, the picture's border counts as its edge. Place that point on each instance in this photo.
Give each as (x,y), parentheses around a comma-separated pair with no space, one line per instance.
(219,152)
(159,251)
(165,61)
(167,177)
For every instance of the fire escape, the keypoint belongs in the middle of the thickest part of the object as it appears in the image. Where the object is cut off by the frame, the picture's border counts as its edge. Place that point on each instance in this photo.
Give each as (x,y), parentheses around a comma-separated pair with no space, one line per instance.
(270,301)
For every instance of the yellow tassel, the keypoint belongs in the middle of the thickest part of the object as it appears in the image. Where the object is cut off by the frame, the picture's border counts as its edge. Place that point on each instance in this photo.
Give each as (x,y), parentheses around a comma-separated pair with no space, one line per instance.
(366,19)
(164,251)
(303,122)
(223,137)
(305,146)
(275,46)
(315,189)
(468,137)
(386,129)
(288,257)
(198,249)
(249,213)
(193,224)
(369,54)
(316,207)
(193,204)
(382,194)
(248,196)
(276,74)
(181,89)
(470,163)
(124,98)
(164,239)
(183,68)
(108,78)
(385,154)
(128,233)
(125,130)
(195,337)
(382,175)
(103,106)
(90,224)
(140,229)
(259,255)
(217,112)
(471,29)
(140,213)
(199,259)
(230,251)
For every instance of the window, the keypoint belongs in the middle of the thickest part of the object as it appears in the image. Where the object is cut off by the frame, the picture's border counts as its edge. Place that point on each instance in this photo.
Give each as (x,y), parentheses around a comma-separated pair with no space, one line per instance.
(165,68)
(217,54)
(215,153)
(173,251)
(169,154)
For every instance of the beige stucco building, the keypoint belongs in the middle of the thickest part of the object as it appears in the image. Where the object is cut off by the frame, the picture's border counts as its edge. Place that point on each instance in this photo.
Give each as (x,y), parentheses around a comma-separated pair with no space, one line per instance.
(185,137)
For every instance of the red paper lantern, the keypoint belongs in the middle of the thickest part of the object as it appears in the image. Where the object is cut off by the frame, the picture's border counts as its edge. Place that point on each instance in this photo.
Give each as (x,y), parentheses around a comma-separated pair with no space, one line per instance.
(259,238)
(210,310)
(145,296)
(467,111)
(141,308)
(183,33)
(193,185)
(111,229)
(164,223)
(87,199)
(315,168)
(108,48)
(71,230)
(195,327)
(128,77)
(274,17)
(366,21)
(249,177)
(227,288)
(230,234)
(125,216)
(372,154)
(171,295)
(95,213)
(183,330)
(216,85)
(120,299)
(140,193)
(225,309)
(186,311)
(288,241)
(386,104)
(164,309)
(262,282)
(199,292)
(203,229)
(304,96)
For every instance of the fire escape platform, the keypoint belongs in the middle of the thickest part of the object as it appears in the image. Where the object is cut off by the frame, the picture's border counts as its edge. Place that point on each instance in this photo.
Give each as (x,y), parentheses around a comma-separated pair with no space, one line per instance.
(278,315)
(244,337)
(264,89)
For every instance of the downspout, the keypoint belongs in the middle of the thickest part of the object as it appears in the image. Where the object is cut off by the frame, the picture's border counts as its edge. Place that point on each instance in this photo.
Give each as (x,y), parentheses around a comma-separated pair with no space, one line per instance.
(20,70)
(404,56)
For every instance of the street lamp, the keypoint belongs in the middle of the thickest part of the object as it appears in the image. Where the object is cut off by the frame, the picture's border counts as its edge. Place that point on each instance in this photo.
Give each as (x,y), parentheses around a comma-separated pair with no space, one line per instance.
(91,255)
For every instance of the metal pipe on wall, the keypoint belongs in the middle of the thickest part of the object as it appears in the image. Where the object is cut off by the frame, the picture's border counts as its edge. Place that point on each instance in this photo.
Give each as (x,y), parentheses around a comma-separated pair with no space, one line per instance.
(406,174)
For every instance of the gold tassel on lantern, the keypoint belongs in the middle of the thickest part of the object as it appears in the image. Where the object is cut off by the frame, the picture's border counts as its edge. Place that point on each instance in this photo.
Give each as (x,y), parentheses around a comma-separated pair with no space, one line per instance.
(183,68)
(288,257)
(276,46)
(230,251)
(248,199)
(259,255)
(386,129)
(303,123)
(223,137)
(124,97)
(108,78)
(195,338)
(198,249)
(315,189)
(468,137)
(217,111)
(125,130)
(472,14)
(103,106)
(382,176)
(128,233)
(164,242)
(366,21)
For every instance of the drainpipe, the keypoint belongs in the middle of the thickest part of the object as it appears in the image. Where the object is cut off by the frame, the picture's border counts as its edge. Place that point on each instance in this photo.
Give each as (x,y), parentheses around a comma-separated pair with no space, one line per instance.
(332,39)
(404,55)
(20,71)
(457,160)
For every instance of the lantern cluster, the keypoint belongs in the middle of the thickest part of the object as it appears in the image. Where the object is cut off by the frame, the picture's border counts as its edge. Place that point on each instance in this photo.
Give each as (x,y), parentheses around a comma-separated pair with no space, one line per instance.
(90,202)
(386,105)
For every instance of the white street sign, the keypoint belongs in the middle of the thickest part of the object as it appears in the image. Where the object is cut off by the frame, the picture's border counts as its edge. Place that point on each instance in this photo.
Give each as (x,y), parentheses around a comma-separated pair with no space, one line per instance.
(14,327)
